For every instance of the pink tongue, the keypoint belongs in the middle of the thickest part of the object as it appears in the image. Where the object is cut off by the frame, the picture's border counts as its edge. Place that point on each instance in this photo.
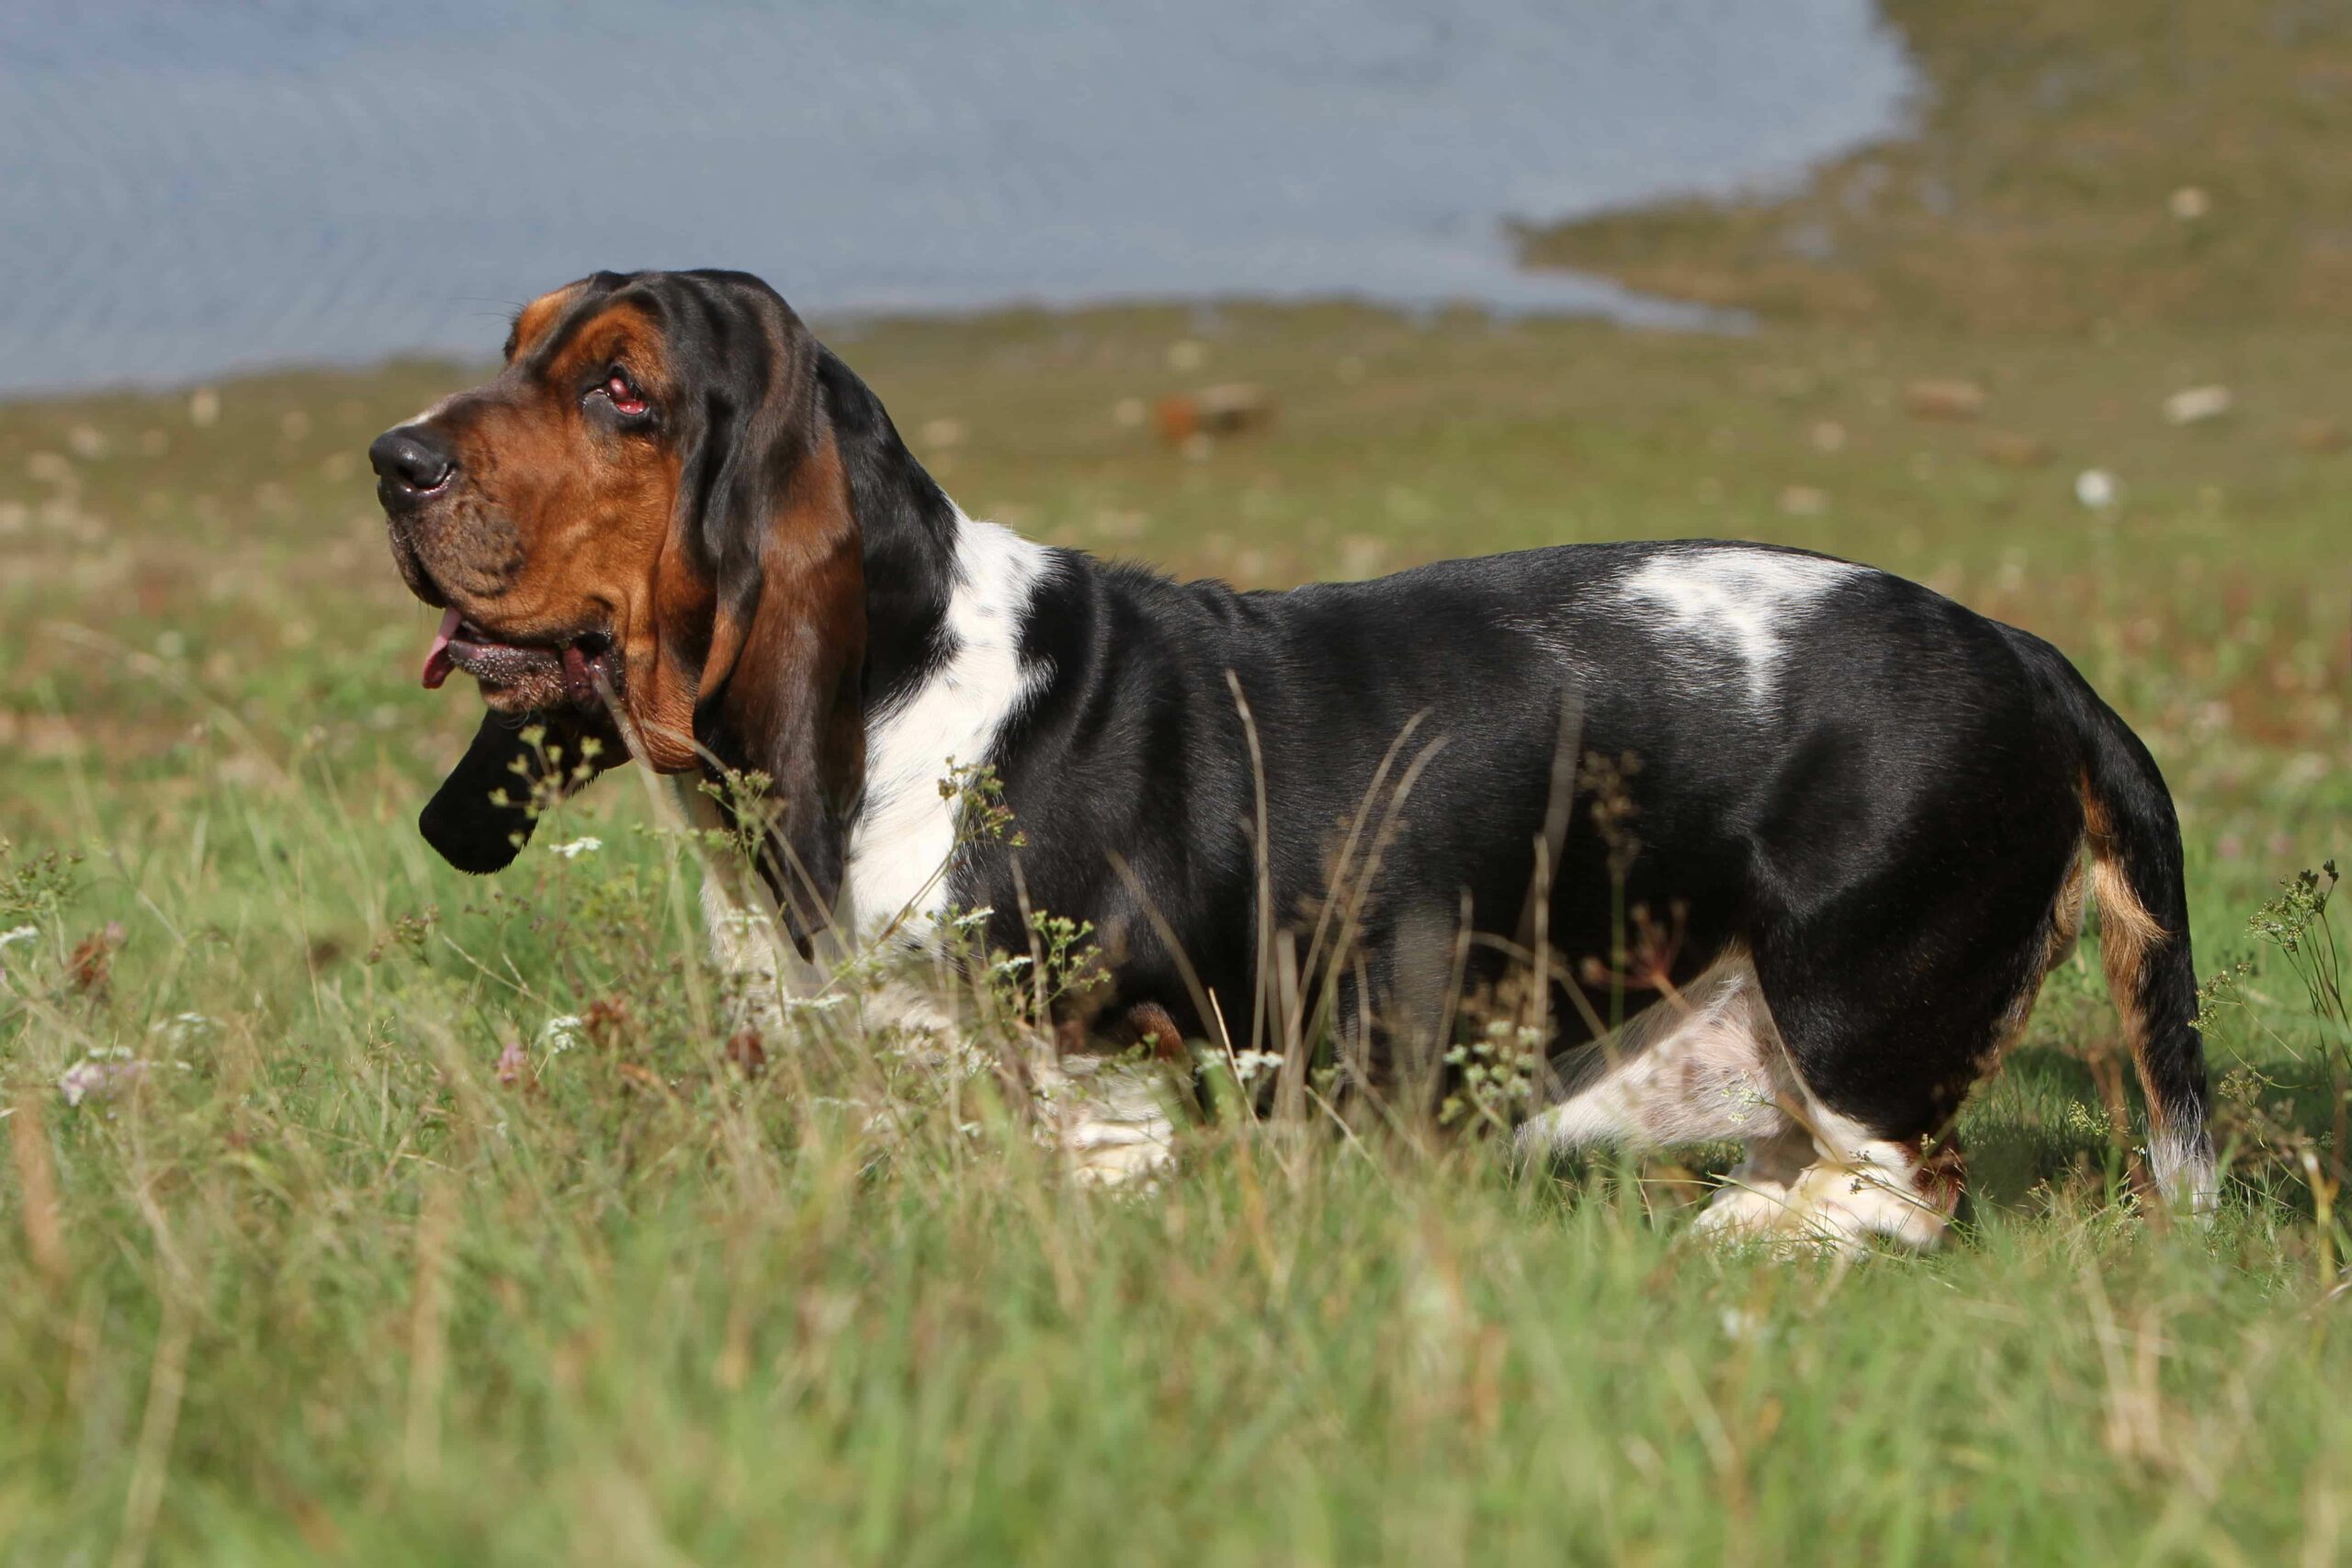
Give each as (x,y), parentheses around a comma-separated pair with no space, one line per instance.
(436,658)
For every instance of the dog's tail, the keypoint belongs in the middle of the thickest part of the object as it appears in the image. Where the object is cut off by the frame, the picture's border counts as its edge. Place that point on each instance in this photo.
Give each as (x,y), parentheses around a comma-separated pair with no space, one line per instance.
(2133,837)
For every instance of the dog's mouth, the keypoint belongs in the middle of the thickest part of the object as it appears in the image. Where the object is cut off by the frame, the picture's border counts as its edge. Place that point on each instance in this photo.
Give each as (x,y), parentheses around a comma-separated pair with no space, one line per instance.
(581,668)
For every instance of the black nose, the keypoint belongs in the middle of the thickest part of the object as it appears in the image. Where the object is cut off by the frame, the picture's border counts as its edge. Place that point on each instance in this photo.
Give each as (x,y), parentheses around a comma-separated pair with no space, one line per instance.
(411,460)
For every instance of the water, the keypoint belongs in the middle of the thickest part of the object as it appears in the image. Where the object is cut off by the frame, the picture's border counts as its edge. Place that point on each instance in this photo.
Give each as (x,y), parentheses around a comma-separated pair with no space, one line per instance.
(196,186)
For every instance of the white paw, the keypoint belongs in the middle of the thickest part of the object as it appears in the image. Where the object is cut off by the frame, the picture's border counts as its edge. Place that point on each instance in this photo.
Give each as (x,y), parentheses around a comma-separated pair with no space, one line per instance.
(1743,1208)
(1109,1120)
(1842,1205)
(1838,1205)
(1114,1156)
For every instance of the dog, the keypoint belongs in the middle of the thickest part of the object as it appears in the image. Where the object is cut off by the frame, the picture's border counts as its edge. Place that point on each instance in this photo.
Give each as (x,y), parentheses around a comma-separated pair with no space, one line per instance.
(1819,831)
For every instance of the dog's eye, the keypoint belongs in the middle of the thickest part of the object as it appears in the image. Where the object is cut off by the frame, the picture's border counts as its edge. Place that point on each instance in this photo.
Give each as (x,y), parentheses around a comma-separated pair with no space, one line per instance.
(622,392)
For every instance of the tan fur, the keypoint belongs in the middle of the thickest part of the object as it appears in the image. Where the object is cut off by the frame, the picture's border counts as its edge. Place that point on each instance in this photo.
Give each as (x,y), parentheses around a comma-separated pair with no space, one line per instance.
(2118,904)
(2126,930)
(2065,916)
(2126,933)
(535,318)
(2057,945)
(559,529)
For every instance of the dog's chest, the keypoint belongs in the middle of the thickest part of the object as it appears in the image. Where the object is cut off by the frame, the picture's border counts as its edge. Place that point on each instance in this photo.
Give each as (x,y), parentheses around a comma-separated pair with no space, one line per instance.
(922,750)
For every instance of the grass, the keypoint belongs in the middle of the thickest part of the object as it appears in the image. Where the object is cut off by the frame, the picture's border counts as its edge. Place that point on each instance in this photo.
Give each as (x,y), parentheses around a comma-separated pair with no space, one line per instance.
(2076,164)
(317,1269)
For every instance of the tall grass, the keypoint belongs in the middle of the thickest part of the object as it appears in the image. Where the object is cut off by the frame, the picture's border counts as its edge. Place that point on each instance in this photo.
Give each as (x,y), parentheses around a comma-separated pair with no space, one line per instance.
(348,1246)
(481,1245)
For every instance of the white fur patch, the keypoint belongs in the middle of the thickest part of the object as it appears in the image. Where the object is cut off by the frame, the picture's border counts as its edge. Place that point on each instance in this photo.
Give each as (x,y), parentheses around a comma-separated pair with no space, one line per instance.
(1109,1119)
(898,852)
(1711,1067)
(738,918)
(1704,1066)
(1733,602)
(1858,1188)
(2183,1167)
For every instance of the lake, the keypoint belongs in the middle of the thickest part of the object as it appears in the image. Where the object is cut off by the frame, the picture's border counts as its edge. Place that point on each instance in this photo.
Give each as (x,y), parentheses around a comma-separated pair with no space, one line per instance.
(193,186)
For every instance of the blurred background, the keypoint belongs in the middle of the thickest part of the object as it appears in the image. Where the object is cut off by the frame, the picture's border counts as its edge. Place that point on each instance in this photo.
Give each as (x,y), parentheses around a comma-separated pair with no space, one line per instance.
(205,187)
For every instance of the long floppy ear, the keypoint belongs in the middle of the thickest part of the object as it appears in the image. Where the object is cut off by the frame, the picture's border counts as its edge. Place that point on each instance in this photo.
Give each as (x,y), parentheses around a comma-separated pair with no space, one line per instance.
(781,691)
(483,813)
(761,598)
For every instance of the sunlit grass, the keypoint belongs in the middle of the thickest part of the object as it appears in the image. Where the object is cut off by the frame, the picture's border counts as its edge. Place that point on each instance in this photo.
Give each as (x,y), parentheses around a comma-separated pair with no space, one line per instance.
(318,1281)
(304,1274)
(2071,167)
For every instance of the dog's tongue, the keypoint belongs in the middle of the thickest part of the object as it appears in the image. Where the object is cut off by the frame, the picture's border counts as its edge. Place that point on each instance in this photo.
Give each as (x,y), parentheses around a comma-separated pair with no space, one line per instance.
(436,658)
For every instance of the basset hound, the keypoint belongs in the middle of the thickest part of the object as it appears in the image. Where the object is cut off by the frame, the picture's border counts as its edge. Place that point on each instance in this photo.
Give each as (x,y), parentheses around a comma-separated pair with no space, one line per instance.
(1811,834)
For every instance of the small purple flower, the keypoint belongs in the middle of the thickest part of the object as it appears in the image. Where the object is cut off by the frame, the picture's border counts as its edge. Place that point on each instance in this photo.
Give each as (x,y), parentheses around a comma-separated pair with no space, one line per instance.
(513,1065)
(101,1075)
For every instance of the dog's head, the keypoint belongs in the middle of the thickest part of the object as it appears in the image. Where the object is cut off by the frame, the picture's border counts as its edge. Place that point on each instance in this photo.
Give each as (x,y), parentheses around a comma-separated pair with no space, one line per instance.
(641,530)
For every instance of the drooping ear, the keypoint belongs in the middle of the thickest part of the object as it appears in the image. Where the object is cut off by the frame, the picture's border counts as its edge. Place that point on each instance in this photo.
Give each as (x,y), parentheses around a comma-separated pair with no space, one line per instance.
(760,597)
(483,813)
(781,688)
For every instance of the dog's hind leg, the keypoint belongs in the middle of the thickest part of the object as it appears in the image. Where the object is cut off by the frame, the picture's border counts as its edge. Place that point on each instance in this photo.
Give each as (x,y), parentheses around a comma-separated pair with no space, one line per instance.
(1885,1033)
(1704,1065)
(1821,1166)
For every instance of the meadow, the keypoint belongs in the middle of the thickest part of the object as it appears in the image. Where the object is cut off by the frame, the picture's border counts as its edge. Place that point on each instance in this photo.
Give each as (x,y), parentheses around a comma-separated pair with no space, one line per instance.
(355,1210)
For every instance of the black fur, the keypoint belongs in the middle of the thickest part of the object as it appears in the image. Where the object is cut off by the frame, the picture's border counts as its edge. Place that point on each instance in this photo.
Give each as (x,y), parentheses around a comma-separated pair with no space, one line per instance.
(483,813)
(1883,826)
(1885,832)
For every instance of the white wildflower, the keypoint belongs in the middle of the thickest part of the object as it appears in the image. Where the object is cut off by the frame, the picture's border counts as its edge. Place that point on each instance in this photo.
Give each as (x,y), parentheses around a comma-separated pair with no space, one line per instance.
(563,1031)
(183,1027)
(2196,405)
(1741,1323)
(2096,489)
(1249,1066)
(576,847)
(9,939)
(815,1004)
(743,922)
